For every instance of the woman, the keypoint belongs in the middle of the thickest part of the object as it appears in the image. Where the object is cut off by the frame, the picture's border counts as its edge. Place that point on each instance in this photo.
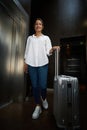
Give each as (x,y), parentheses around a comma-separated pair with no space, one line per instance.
(38,48)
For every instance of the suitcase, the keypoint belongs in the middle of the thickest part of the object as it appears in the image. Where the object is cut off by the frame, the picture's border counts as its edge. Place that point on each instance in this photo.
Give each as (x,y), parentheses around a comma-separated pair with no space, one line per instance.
(66,99)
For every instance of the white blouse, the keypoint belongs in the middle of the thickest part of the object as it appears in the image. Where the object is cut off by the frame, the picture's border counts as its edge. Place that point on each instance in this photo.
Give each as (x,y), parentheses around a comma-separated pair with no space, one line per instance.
(37,50)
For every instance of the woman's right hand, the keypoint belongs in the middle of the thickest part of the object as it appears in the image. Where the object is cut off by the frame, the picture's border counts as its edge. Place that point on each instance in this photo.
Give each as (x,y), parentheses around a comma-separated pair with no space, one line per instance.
(25,68)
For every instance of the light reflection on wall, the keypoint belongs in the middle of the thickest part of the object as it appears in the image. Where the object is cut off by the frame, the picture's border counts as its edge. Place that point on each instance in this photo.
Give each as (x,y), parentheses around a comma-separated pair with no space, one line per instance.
(69,12)
(19,67)
(85,23)
(70,7)
(14,50)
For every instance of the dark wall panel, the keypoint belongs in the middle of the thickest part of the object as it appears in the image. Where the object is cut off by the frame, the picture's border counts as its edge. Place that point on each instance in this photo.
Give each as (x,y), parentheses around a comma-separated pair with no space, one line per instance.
(63,19)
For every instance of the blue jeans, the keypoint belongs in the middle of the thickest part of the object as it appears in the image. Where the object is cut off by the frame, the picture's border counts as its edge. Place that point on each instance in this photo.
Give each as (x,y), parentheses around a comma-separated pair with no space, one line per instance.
(38,76)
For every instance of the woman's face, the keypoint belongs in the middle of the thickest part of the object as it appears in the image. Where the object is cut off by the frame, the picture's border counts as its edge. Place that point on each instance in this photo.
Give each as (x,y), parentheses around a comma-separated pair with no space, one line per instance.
(38,26)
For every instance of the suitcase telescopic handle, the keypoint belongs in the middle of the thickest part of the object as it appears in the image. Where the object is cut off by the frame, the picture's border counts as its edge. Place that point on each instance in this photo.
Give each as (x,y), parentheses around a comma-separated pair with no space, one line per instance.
(56,63)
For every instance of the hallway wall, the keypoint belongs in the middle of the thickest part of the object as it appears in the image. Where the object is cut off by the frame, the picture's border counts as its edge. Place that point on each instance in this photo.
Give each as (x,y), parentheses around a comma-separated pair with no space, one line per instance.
(13,33)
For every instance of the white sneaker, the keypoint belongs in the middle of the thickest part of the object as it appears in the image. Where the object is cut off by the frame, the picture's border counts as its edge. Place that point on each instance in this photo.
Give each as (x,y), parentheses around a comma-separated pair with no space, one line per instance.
(45,104)
(36,112)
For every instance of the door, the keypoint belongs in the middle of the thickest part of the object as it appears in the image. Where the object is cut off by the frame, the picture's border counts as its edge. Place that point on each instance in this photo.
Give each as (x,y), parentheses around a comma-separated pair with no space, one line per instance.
(73,57)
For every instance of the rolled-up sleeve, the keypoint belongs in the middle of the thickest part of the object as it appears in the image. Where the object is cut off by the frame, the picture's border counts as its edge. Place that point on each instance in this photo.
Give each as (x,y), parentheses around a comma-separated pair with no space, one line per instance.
(48,46)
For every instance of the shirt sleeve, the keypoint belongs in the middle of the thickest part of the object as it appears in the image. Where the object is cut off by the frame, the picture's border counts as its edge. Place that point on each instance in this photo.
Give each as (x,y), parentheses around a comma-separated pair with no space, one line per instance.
(48,45)
(26,48)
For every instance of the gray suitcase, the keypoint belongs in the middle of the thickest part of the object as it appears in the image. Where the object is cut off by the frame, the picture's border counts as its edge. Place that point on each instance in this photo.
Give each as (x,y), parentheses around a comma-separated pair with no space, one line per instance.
(66,99)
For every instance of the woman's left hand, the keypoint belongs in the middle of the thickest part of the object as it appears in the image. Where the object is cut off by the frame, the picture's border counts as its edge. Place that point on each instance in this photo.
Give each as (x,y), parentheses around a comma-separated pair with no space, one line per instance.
(54,48)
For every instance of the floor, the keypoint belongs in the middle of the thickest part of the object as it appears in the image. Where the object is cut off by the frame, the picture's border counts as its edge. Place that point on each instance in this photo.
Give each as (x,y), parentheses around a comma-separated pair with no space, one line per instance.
(17,116)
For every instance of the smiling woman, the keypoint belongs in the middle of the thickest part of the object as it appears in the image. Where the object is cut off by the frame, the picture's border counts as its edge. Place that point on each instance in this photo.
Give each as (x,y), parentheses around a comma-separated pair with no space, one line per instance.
(38,48)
